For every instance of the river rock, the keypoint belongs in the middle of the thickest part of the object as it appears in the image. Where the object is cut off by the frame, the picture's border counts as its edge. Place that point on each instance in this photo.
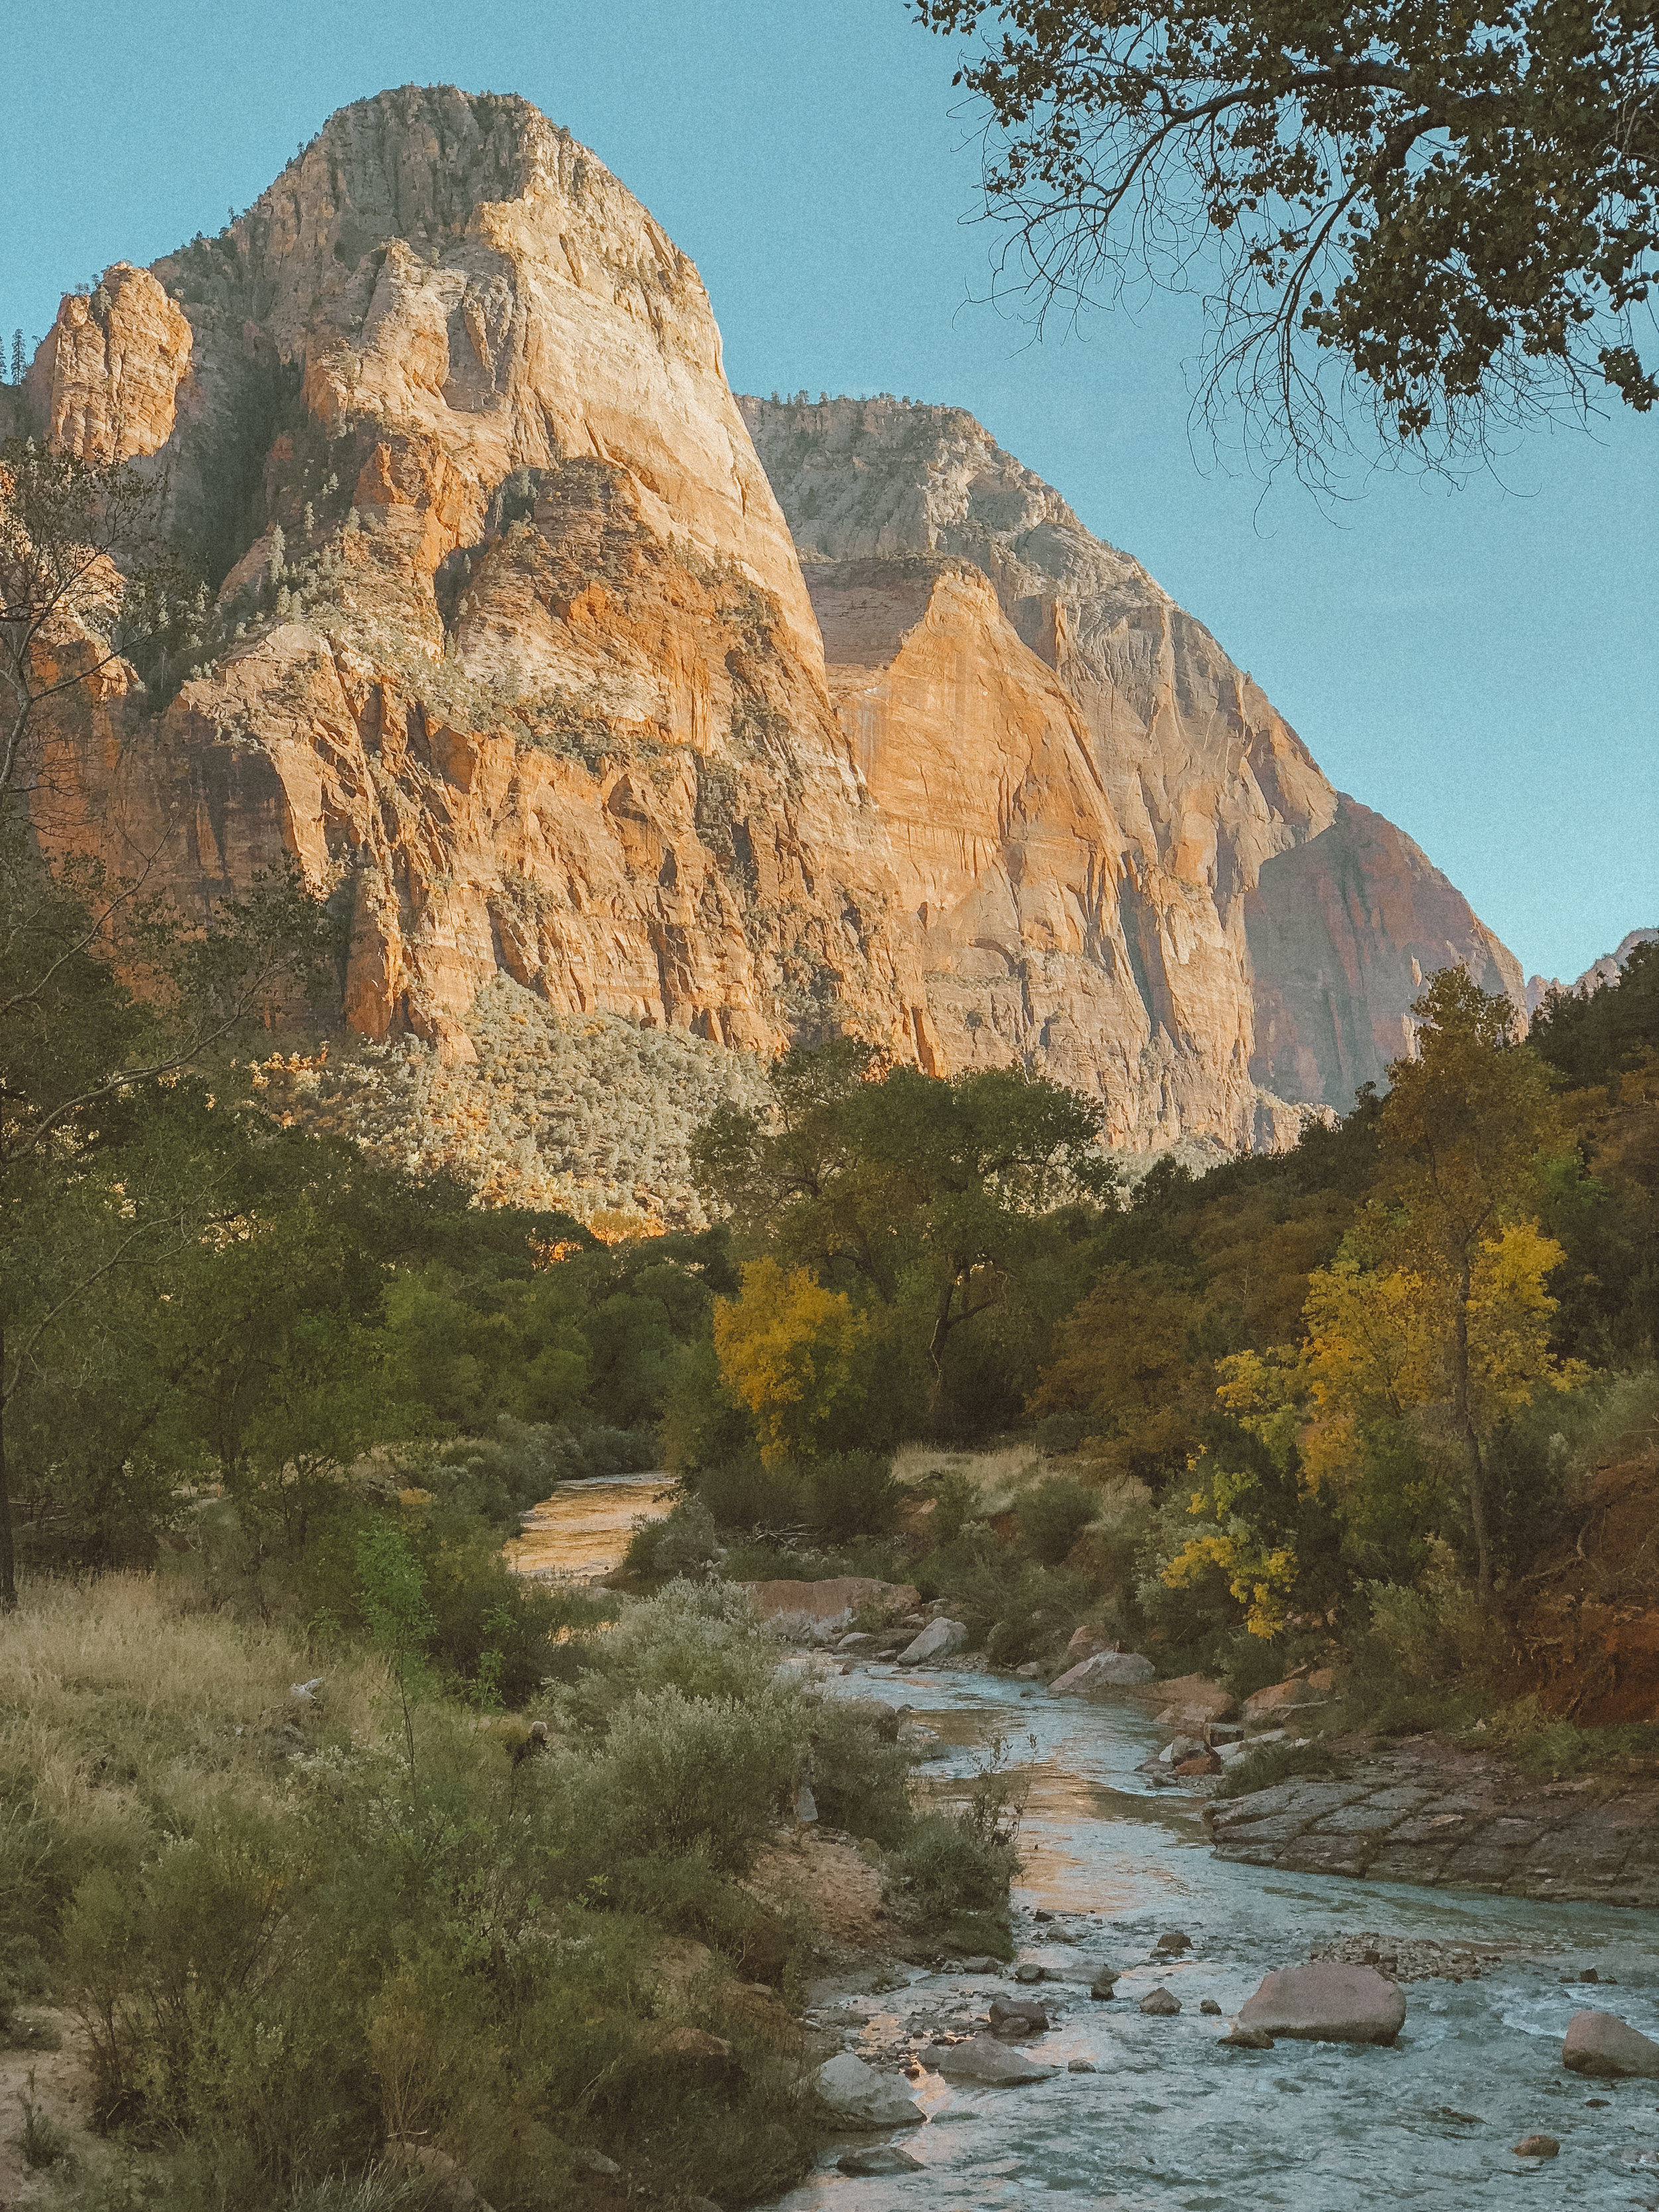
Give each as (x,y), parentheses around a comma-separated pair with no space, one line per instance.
(1018,2018)
(1028,1971)
(1602,2045)
(1161,2005)
(880,2160)
(1537,2147)
(1173,1941)
(1279,1697)
(1107,1670)
(1209,2005)
(876,1713)
(1325,2003)
(855,2092)
(1190,1701)
(986,2062)
(936,1641)
(1084,1643)
(1245,2038)
(1103,1988)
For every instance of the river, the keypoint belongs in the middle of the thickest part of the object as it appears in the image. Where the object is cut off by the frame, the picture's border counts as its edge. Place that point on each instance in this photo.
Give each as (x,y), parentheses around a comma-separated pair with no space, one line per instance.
(1169,2120)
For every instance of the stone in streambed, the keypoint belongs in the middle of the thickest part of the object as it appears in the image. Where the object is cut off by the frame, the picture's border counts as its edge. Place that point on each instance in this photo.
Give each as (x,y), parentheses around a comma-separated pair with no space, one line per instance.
(855,2092)
(1609,2049)
(1107,1670)
(882,2159)
(1172,1943)
(1245,2038)
(1103,1988)
(984,2061)
(1161,2004)
(1210,2006)
(1079,2066)
(1022,2016)
(1537,2147)
(936,1641)
(1325,2003)
(1028,1971)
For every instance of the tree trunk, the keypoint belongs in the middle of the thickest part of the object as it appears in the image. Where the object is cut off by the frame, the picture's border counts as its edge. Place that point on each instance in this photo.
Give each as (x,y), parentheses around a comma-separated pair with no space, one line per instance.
(1465,1417)
(942,1324)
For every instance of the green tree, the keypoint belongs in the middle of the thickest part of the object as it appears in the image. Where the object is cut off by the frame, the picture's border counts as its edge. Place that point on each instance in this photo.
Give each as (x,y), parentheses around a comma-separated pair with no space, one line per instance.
(1451,215)
(909,1188)
(1465,1124)
(113,1154)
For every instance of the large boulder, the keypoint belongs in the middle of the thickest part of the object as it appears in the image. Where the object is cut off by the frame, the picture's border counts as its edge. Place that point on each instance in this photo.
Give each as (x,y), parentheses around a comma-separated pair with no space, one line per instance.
(862,2098)
(1610,2049)
(936,1641)
(1107,1670)
(984,2062)
(1325,2003)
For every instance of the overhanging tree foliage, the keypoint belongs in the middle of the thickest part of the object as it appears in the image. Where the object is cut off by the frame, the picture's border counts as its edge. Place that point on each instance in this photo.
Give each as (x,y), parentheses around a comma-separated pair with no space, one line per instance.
(1446,211)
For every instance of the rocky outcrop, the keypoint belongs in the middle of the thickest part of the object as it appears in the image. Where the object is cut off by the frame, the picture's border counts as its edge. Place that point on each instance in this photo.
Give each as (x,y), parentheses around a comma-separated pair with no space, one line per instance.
(1452,1819)
(505,639)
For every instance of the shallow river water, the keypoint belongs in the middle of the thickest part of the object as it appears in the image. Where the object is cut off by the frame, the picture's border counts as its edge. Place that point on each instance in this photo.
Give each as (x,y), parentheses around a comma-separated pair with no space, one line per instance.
(1169,2122)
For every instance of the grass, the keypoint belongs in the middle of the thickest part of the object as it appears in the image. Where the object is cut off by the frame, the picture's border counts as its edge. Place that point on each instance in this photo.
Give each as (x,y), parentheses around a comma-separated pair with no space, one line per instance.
(469,1949)
(1276,1762)
(43,2144)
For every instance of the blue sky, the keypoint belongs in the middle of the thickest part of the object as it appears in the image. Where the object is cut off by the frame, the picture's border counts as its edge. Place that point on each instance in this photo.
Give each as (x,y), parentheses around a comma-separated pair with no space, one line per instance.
(1482,664)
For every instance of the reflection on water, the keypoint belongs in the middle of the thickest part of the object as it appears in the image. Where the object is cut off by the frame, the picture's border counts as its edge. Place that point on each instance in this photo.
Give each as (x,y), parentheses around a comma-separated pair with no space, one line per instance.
(1169,2122)
(583,1528)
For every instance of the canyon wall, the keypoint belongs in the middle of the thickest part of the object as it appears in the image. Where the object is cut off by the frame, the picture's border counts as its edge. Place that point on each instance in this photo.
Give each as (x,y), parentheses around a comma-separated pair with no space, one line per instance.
(556,665)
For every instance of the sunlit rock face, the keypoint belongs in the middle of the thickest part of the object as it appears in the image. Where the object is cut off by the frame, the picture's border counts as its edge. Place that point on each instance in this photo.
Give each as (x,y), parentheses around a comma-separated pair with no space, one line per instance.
(505,637)
(1262,945)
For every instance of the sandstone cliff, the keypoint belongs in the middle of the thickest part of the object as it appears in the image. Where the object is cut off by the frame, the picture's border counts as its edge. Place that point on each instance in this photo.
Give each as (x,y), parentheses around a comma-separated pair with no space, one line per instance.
(502,633)
(1273,934)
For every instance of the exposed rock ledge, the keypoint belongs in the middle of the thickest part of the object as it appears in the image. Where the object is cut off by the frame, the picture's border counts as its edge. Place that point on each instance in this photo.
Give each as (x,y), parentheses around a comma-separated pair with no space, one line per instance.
(1451,1820)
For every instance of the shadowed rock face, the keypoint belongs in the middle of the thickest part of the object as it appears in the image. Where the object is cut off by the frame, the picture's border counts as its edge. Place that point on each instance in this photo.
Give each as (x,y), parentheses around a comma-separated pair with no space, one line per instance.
(1342,933)
(513,649)
(1268,935)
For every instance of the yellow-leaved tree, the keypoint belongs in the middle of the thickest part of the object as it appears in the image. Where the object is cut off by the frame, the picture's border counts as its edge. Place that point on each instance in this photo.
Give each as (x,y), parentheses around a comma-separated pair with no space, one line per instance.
(1265,1394)
(786,1348)
(1438,1298)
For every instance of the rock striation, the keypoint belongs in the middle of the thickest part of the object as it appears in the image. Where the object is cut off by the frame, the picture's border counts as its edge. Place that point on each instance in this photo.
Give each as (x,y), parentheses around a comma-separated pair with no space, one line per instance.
(563,672)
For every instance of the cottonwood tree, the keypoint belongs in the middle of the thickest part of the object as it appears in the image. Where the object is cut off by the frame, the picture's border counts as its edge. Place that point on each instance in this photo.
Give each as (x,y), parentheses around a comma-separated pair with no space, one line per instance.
(908,1188)
(1444,216)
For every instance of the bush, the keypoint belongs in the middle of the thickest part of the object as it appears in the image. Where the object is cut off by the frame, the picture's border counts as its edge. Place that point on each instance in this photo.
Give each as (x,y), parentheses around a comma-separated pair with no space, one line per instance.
(852,1494)
(703,1777)
(1053,1514)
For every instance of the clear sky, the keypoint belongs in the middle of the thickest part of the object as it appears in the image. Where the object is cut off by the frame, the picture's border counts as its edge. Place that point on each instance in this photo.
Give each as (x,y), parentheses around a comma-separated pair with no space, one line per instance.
(1480,664)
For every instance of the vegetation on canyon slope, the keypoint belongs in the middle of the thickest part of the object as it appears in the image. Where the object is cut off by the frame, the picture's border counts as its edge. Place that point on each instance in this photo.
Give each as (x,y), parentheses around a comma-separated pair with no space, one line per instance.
(272,1401)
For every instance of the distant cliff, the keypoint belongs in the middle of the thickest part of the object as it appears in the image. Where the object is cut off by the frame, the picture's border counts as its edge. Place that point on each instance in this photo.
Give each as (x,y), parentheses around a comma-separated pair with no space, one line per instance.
(1268,937)
(503,634)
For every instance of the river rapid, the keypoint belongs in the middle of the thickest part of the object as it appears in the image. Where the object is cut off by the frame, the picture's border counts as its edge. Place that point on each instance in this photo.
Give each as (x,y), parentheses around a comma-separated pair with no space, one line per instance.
(1168,2119)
